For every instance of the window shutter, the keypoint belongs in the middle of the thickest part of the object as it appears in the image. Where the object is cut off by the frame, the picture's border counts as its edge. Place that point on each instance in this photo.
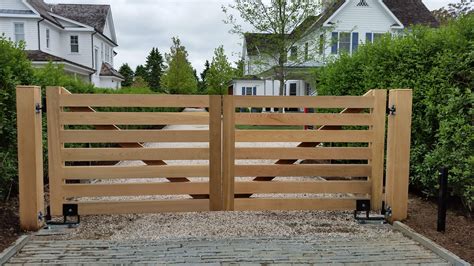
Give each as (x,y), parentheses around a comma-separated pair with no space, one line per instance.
(368,37)
(355,41)
(254,90)
(243,91)
(334,42)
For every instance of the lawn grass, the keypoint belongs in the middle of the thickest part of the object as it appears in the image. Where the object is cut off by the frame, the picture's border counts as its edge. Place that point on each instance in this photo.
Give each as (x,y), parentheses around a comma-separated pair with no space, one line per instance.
(247,127)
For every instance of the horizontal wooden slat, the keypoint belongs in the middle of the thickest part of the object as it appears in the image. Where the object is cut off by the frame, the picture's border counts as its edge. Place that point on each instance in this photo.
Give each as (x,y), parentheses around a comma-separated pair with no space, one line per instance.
(125,207)
(294,204)
(132,100)
(135,189)
(144,118)
(130,154)
(114,172)
(325,170)
(305,101)
(275,119)
(356,136)
(131,136)
(315,187)
(304,153)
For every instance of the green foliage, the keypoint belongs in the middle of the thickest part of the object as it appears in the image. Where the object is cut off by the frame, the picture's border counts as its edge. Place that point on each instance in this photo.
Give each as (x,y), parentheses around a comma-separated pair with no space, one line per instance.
(127,72)
(140,71)
(154,69)
(438,64)
(179,76)
(15,69)
(202,87)
(220,73)
(453,11)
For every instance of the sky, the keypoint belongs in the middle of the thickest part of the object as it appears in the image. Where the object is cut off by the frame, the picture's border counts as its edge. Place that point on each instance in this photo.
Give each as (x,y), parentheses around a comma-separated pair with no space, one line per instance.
(143,24)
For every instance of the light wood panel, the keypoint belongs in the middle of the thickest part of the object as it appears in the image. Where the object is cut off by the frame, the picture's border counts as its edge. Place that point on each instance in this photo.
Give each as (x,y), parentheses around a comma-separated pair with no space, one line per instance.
(215,147)
(355,136)
(138,118)
(378,148)
(124,207)
(114,172)
(228,153)
(277,119)
(130,136)
(294,204)
(305,101)
(398,153)
(30,157)
(133,100)
(315,187)
(304,153)
(325,170)
(130,154)
(135,189)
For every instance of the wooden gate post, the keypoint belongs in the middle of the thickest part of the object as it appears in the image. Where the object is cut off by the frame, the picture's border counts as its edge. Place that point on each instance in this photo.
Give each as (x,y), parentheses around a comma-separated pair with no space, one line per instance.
(215,153)
(398,153)
(378,148)
(30,157)
(55,163)
(228,153)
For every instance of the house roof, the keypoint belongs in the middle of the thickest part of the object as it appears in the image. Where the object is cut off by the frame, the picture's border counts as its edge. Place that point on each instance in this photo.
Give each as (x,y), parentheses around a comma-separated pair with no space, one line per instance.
(260,43)
(411,12)
(40,56)
(306,24)
(91,15)
(108,70)
(43,9)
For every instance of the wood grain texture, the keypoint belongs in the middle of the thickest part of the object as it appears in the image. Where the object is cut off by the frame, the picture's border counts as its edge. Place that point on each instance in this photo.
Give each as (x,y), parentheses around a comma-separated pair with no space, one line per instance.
(304,101)
(215,155)
(124,172)
(316,187)
(355,136)
(144,118)
(378,148)
(228,153)
(295,204)
(131,100)
(277,119)
(304,153)
(130,136)
(323,170)
(131,154)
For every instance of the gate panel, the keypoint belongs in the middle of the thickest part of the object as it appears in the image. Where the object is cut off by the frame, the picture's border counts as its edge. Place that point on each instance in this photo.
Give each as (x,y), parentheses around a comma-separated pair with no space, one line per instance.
(344,173)
(86,144)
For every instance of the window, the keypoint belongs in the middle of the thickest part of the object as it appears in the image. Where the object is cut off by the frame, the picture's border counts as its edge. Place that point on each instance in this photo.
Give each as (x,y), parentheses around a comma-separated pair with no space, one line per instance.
(377,36)
(334,42)
(321,44)
(373,37)
(293,89)
(293,52)
(19,32)
(47,38)
(249,91)
(355,41)
(306,51)
(74,44)
(344,42)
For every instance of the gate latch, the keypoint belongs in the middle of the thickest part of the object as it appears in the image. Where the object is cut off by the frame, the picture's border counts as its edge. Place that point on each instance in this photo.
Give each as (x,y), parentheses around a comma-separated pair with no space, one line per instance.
(391,110)
(38,108)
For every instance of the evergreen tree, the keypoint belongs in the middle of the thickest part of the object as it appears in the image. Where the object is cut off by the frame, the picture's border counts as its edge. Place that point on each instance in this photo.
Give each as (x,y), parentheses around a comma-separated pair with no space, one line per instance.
(154,69)
(140,71)
(128,75)
(202,83)
(179,76)
(239,69)
(220,73)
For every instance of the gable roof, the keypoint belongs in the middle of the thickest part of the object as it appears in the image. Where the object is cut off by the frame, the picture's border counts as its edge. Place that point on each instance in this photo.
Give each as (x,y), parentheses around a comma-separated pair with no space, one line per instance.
(260,43)
(40,56)
(107,70)
(43,9)
(91,15)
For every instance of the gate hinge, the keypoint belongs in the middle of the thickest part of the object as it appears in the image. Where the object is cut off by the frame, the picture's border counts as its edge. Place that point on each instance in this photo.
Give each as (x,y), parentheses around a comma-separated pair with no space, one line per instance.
(391,110)
(364,206)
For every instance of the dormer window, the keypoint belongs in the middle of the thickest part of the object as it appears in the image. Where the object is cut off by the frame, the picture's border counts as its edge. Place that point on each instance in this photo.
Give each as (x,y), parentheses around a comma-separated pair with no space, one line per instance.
(363,3)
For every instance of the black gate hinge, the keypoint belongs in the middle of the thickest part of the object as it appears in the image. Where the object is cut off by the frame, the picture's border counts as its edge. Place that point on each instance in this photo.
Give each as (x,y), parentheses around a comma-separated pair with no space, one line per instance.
(391,110)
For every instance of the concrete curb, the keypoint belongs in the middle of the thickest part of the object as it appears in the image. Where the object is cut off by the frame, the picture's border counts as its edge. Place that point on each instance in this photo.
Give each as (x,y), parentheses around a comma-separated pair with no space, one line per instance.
(8,253)
(425,242)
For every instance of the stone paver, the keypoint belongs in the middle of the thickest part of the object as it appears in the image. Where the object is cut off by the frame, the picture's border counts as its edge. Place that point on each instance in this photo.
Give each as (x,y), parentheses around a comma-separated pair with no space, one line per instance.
(394,249)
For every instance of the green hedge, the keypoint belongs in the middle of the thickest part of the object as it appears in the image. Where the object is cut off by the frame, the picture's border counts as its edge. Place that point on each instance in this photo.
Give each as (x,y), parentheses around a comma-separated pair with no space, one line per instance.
(438,64)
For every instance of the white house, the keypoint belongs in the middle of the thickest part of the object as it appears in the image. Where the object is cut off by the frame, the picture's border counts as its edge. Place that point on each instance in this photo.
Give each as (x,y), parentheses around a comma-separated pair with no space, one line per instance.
(81,37)
(340,28)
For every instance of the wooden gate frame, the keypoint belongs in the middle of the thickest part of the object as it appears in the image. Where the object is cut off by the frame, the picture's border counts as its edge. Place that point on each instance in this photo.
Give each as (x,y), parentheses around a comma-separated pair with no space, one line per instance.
(222,138)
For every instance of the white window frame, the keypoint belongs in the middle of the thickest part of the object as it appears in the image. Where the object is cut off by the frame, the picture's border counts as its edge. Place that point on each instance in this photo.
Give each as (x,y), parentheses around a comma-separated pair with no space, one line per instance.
(17,35)
(74,44)
(96,58)
(48,38)
(349,51)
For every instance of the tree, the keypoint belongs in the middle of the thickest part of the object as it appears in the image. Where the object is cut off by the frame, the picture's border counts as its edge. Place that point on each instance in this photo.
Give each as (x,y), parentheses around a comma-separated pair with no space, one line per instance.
(220,73)
(453,11)
(277,20)
(239,69)
(140,71)
(202,89)
(178,77)
(127,72)
(154,69)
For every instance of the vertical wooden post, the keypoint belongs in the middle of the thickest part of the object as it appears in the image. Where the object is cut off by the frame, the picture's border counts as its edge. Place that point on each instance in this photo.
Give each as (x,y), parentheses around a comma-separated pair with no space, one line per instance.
(215,150)
(30,157)
(55,163)
(398,153)
(378,148)
(228,153)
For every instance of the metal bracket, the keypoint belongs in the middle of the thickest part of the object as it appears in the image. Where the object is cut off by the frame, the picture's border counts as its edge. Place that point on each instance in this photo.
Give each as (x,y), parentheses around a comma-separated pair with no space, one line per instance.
(391,110)
(38,108)
(69,210)
(364,206)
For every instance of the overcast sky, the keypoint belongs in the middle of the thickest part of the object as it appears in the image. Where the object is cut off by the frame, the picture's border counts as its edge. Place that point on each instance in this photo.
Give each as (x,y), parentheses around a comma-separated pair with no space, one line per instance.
(143,24)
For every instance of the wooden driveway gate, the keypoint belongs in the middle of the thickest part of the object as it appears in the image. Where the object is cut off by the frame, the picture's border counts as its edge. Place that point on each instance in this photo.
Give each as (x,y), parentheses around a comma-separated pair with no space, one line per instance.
(225,171)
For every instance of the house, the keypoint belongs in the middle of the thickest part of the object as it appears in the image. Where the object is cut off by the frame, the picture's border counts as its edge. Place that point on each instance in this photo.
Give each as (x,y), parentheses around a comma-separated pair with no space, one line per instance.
(79,36)
(340,28)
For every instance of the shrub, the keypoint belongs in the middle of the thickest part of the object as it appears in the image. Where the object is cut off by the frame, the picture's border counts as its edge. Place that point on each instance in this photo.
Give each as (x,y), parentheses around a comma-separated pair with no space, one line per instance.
(438,64)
